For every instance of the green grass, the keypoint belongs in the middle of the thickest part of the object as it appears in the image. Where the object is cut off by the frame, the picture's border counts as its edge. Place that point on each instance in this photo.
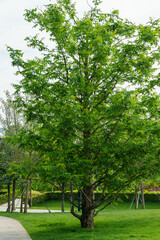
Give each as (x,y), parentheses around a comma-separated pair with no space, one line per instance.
(56,205)
(119,224)
(52,205)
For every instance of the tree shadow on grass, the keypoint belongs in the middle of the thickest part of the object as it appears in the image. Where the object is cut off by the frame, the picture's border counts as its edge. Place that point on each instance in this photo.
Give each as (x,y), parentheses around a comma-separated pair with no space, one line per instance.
(108,226)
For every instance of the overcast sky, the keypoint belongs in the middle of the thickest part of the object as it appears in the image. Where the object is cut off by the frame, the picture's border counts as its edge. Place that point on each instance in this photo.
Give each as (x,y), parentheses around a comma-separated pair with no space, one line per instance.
(13,28)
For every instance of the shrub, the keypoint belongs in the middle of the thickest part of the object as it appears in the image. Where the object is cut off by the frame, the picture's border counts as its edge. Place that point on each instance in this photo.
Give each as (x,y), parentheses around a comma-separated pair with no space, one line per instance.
(57,195)
(40,198)
(3,199)
(124,197)
(149,196)
(3,192)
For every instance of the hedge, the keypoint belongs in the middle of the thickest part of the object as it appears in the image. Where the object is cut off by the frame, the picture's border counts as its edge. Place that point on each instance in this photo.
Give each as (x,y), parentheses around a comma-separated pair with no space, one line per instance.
(125,197)
(3,199)
(149,197)
(3,192)
(40,198)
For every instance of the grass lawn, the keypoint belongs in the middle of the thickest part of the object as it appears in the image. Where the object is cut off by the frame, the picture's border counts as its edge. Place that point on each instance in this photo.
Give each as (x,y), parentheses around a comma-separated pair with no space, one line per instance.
(56,205)
(111,224)
(52,205)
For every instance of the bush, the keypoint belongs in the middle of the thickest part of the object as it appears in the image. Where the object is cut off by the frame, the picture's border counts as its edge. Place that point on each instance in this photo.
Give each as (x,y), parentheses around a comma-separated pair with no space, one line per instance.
(152,196)
(3,192)
(124,197)
(56,195)
(40,198)
(149,196)
(3,199)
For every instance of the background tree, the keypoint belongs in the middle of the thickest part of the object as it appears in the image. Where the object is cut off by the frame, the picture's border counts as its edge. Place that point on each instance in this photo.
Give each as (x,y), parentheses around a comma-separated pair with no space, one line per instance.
(4,165)
(55,174)
(92,104)
(11,122)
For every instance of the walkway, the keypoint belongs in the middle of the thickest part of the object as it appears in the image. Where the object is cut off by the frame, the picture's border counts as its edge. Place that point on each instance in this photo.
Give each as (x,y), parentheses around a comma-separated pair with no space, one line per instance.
(11,229)
(3,208)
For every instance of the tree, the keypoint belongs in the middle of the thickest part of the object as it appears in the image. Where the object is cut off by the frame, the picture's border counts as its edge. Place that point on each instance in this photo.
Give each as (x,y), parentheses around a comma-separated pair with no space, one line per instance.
(10,122)
(4,165)
(12,157)
(55,174)
(91,103)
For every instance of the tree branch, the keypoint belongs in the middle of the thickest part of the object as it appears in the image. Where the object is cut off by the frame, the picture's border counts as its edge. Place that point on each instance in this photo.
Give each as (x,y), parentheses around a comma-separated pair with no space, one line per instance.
(65,61)
(110,200)
(72,205)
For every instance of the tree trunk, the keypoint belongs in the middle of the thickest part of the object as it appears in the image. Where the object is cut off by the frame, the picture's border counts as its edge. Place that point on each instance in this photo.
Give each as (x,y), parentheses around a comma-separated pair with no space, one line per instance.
(136,199)
(26,196)
(87,217)
(63,197)
(142,196)
(30,200)
(72,199)
(13,196)
(21,205)
(79,201)
(9,198)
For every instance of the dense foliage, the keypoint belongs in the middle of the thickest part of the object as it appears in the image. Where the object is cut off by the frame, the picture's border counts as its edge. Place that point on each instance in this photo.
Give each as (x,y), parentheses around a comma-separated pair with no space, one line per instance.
(90,100)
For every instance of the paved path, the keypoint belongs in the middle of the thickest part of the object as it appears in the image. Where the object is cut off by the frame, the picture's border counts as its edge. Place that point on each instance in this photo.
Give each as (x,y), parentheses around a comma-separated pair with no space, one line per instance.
(17,203)
(11,229)
(3,208)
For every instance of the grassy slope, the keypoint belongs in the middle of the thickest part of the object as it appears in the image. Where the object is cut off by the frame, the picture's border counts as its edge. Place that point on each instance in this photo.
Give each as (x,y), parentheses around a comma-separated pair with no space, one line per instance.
(119,224)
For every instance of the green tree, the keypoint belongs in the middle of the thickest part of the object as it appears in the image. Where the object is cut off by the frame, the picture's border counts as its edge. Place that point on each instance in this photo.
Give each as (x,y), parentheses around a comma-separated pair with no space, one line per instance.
(4,166)
(12,157)
(91,100)
(56,175)
(10,122)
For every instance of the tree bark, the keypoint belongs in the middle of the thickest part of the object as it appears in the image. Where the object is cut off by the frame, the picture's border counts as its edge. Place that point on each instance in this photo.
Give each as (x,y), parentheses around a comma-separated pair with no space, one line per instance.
(21,205)
(79,201)
(13,196)
(72,199)
(136,199)
(142,196)
(30,200)
(87,217)
(26,196)
(9,198)
(63,192)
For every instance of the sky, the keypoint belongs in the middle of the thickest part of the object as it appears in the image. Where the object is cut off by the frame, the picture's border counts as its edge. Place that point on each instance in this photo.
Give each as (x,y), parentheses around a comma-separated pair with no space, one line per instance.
(13,27)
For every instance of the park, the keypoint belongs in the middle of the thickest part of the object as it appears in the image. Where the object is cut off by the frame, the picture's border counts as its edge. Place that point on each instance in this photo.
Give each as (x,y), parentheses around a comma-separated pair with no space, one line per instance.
(79,144)
(113,223)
